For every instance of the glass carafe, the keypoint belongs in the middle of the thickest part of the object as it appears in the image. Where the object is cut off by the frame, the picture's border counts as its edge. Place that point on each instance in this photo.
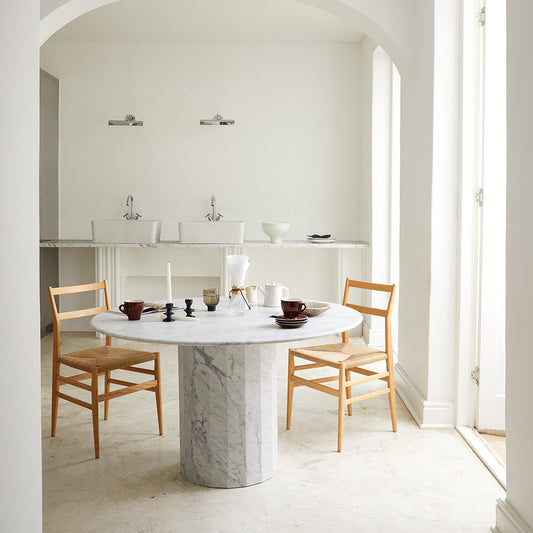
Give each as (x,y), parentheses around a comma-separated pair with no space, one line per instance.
(238,266)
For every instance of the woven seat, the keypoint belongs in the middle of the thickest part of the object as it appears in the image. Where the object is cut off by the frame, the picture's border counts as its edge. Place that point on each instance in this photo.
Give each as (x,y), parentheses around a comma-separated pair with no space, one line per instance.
(346,358)
(105,358)
(97,361)
(347,353)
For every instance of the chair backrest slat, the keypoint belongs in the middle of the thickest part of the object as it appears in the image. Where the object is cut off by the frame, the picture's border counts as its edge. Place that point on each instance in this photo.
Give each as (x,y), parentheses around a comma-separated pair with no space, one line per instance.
(385,313)
(368,310)
(370,286)
(73,289)
(81,313)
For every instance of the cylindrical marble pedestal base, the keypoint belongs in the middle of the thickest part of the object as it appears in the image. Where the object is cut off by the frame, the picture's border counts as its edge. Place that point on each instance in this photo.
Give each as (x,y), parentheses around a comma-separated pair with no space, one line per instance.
(228,414)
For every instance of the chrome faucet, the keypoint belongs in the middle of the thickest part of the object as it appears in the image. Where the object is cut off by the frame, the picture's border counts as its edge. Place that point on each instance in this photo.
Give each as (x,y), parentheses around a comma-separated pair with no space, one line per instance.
(213,216)
(131,214)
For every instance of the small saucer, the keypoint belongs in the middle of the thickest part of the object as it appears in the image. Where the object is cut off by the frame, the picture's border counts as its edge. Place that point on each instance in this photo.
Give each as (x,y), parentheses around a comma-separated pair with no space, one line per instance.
(284,322)
(290,324)
(283,317)
(321,240)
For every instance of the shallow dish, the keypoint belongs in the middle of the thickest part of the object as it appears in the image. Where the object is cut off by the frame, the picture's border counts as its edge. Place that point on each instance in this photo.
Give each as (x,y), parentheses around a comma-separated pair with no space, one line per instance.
(291,324)
(321,240)
(283,317)
(315,308)
(283,322)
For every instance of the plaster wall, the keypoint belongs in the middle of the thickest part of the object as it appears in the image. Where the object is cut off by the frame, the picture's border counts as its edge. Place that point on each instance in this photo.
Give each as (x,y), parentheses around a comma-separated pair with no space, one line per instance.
(415,203)
(519,264)
(367,47)
(444,204)
(20,462)
(292,156)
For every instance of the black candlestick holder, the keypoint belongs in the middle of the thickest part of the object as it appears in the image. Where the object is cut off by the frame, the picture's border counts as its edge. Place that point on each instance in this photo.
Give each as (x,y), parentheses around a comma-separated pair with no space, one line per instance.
(188,309)
(168,313)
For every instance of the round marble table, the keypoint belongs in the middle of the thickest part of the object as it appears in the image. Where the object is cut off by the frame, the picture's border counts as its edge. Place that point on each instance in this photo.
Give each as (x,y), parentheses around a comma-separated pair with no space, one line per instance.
(227,384)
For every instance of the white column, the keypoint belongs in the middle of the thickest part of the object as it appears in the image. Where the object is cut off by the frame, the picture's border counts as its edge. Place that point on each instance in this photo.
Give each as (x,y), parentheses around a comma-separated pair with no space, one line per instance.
(515,513)
(108,267)
(228,414)
(20,462)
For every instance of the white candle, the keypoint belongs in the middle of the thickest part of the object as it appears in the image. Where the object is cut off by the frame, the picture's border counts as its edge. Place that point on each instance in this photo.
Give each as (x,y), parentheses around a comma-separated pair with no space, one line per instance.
(169,284)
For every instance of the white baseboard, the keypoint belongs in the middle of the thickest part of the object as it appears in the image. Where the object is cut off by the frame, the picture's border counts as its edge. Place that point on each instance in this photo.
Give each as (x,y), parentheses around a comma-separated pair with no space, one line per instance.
(373,336)
(427,414)
(508,520)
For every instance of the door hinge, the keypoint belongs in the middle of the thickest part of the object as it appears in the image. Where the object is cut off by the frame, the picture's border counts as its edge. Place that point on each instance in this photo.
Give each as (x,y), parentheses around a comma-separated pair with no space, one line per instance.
(475,375)
(479,197)
(481,17)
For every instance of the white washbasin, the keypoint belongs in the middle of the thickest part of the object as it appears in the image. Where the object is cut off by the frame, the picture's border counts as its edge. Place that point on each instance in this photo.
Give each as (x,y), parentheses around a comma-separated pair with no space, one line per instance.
(126,231)
(206,232)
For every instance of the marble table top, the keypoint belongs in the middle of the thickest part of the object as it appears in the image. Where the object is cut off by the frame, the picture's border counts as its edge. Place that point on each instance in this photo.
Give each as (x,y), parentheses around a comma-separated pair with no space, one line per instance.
(218,327)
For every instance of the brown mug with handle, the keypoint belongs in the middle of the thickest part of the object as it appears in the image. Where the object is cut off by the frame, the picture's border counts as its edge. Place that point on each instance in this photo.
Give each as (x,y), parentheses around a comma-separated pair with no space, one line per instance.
(132,308)
(292,308)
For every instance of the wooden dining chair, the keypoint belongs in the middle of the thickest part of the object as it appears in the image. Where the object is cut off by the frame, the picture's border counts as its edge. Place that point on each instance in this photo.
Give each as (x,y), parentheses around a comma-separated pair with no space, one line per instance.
(97,361)
(346,358)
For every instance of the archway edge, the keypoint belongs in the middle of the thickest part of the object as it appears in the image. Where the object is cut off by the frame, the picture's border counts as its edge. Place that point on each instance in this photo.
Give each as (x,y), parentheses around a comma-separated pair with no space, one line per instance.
(58,13)
(384,21)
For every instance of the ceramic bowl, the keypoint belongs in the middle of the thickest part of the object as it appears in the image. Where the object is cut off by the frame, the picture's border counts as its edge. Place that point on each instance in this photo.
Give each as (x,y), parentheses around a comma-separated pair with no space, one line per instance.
(276,230)
(315,308)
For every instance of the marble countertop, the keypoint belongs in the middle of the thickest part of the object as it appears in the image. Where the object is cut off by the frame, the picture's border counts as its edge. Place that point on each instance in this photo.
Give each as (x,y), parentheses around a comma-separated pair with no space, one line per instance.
(218,327)
(81,243)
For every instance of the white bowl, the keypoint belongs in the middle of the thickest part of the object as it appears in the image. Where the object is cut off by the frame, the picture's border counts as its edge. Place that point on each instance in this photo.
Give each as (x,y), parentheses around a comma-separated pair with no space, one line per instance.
(315,308)
(276,230)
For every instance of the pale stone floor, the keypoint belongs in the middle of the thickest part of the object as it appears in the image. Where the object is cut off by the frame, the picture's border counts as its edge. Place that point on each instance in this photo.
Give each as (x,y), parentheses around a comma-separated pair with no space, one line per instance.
(426,481)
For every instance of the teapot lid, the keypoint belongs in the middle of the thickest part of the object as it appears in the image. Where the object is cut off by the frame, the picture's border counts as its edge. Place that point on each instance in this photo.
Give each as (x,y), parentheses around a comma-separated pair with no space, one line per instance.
(272,284)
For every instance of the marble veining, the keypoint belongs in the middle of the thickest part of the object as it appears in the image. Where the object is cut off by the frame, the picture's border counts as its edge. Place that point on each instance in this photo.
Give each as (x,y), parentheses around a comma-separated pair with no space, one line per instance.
(228,406)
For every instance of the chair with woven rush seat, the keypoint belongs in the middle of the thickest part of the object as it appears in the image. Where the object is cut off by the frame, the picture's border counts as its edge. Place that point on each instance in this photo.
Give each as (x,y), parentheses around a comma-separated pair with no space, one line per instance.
(97,361)
(346,358)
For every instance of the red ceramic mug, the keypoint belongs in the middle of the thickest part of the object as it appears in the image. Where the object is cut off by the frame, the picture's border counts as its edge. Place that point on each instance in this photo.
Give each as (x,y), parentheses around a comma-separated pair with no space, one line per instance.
(132,308)
(292,308)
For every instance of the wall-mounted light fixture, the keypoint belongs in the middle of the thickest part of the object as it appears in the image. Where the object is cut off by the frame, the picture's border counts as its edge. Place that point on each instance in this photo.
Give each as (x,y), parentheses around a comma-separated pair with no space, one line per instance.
(128,121)
(217,120)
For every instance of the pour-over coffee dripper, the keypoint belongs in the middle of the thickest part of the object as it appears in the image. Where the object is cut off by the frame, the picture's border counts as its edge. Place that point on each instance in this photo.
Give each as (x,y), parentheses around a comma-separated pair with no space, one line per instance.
(238,266)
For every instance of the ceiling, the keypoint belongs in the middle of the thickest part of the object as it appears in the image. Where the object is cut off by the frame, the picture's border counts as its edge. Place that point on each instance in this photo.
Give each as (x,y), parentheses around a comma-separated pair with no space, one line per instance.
(209,20)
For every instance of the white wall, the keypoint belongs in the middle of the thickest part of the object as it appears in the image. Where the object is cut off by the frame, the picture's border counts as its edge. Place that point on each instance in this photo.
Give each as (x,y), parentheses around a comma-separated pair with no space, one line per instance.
(293,154)
(442,338)
(519,269)
(415,205)
(20,463)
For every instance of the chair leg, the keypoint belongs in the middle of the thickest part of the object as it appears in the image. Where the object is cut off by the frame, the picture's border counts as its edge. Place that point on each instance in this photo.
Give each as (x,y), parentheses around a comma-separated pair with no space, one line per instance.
(290,389)
(107,389)
(392,395)
(94,403)
(55,402)
(342,405)
(348,392)
(157,369)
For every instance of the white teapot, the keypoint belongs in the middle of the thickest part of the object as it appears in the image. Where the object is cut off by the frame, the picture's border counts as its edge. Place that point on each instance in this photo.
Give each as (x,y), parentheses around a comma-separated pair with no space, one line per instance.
(273,294)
